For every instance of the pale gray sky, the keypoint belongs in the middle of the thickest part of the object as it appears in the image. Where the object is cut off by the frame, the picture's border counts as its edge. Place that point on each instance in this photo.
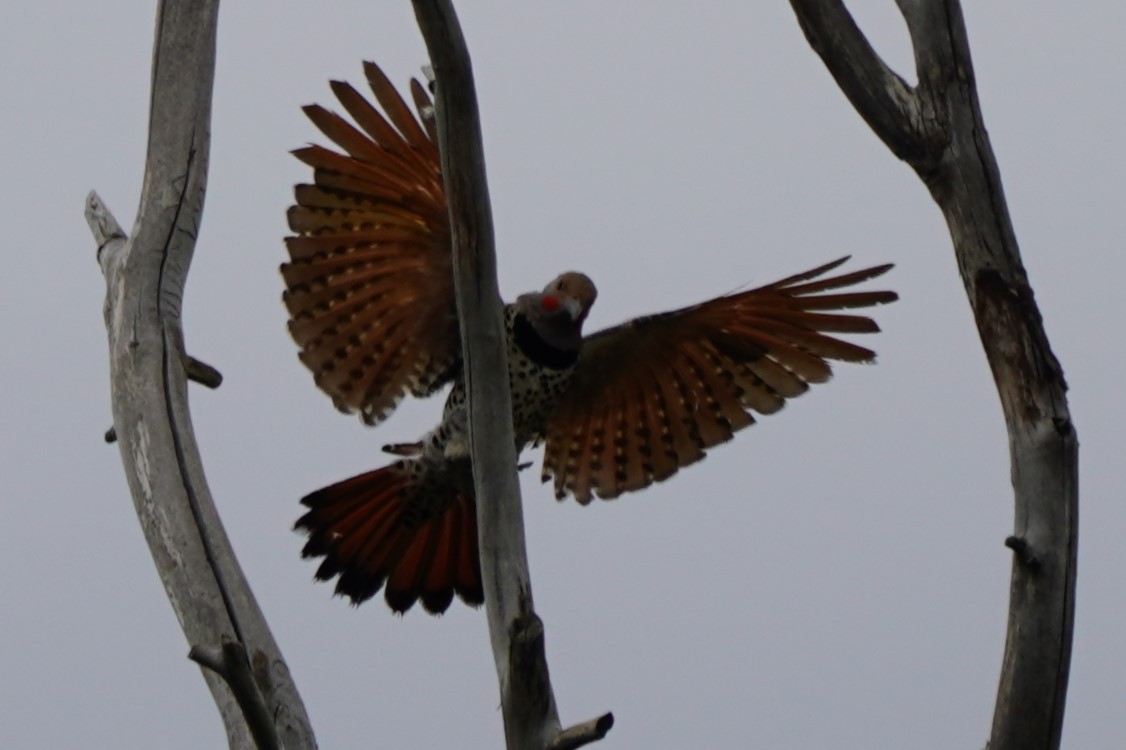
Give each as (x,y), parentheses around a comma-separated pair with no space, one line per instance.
(834,577)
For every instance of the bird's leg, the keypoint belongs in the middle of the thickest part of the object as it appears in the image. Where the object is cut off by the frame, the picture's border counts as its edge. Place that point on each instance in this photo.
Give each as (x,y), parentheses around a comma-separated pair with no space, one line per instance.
(407,450)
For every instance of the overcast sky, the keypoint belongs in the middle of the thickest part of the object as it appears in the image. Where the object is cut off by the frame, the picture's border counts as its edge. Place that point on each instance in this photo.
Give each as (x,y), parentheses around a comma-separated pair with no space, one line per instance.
(835,577)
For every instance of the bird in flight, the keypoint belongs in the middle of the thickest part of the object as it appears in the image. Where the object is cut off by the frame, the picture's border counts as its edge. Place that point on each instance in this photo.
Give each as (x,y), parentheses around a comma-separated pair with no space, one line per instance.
(370,295)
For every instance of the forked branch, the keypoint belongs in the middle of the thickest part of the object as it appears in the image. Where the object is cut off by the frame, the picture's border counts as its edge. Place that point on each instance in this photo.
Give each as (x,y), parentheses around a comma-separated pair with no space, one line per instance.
(938,129)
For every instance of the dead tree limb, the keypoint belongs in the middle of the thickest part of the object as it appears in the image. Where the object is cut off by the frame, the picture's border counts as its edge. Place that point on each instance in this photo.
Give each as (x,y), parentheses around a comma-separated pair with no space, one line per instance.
(937,127)
(531,719)
(149,371)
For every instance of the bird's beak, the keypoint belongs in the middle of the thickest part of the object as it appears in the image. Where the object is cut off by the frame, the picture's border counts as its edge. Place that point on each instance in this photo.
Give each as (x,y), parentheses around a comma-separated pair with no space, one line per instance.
(574,307)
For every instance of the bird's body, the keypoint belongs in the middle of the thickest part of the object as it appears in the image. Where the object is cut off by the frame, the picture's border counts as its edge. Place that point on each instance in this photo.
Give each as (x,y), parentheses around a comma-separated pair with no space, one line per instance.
(538,373)
(371,302)
(429,492)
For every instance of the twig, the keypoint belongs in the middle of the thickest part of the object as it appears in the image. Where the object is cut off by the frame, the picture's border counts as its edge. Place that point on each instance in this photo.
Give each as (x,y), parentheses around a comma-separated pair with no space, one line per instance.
(941,133)
(583,734)
(197,372)
(202,373)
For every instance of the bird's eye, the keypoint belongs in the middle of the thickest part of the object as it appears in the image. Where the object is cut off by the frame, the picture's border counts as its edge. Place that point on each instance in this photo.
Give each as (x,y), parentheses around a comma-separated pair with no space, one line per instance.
(550,303)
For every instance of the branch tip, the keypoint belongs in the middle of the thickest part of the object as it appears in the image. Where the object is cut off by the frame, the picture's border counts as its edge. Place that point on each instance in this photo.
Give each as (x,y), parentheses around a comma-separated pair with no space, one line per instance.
(110,436)
(208,658)
(202,373)
(1023,551)
(583,734)
(102,223)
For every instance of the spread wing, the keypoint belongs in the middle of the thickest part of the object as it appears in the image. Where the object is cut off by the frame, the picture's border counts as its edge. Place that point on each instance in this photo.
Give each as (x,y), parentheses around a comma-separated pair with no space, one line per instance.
(650,395)
(369,285)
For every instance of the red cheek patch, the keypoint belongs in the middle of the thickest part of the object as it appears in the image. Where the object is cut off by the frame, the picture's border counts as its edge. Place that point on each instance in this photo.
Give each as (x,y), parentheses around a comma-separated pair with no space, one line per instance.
(550,303)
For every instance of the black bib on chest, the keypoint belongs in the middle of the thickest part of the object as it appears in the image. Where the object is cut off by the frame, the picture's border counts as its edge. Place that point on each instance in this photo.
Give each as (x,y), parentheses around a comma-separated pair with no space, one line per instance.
(538,350)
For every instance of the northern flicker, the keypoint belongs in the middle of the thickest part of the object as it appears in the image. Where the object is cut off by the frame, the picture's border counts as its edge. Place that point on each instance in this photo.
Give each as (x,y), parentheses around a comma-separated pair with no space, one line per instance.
(370,295)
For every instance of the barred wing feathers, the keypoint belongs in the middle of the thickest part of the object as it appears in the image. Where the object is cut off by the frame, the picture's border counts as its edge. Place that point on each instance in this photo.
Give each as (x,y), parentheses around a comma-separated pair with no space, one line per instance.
(651,395)
(369,285)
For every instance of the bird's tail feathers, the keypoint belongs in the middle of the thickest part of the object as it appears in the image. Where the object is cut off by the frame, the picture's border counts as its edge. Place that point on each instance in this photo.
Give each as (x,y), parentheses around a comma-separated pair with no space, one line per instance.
(398,529)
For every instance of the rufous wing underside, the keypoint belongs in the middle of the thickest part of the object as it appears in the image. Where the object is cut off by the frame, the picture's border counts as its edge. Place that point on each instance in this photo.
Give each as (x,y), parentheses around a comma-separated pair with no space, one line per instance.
(650,395)
(369,285)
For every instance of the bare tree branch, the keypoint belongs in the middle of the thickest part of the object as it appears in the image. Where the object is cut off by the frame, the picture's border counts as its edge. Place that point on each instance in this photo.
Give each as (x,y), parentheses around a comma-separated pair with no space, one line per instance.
(882,98)
(953,156)
(230,663)
(531,719)
(145,277)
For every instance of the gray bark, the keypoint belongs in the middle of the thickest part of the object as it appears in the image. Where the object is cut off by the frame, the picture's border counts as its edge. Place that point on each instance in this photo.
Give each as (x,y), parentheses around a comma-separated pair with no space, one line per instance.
(937,127)
(145,275)
(531,719)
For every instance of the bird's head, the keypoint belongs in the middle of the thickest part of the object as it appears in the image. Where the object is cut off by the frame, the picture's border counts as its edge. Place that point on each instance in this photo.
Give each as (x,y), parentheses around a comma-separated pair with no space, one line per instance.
(557,313)
(571,294)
